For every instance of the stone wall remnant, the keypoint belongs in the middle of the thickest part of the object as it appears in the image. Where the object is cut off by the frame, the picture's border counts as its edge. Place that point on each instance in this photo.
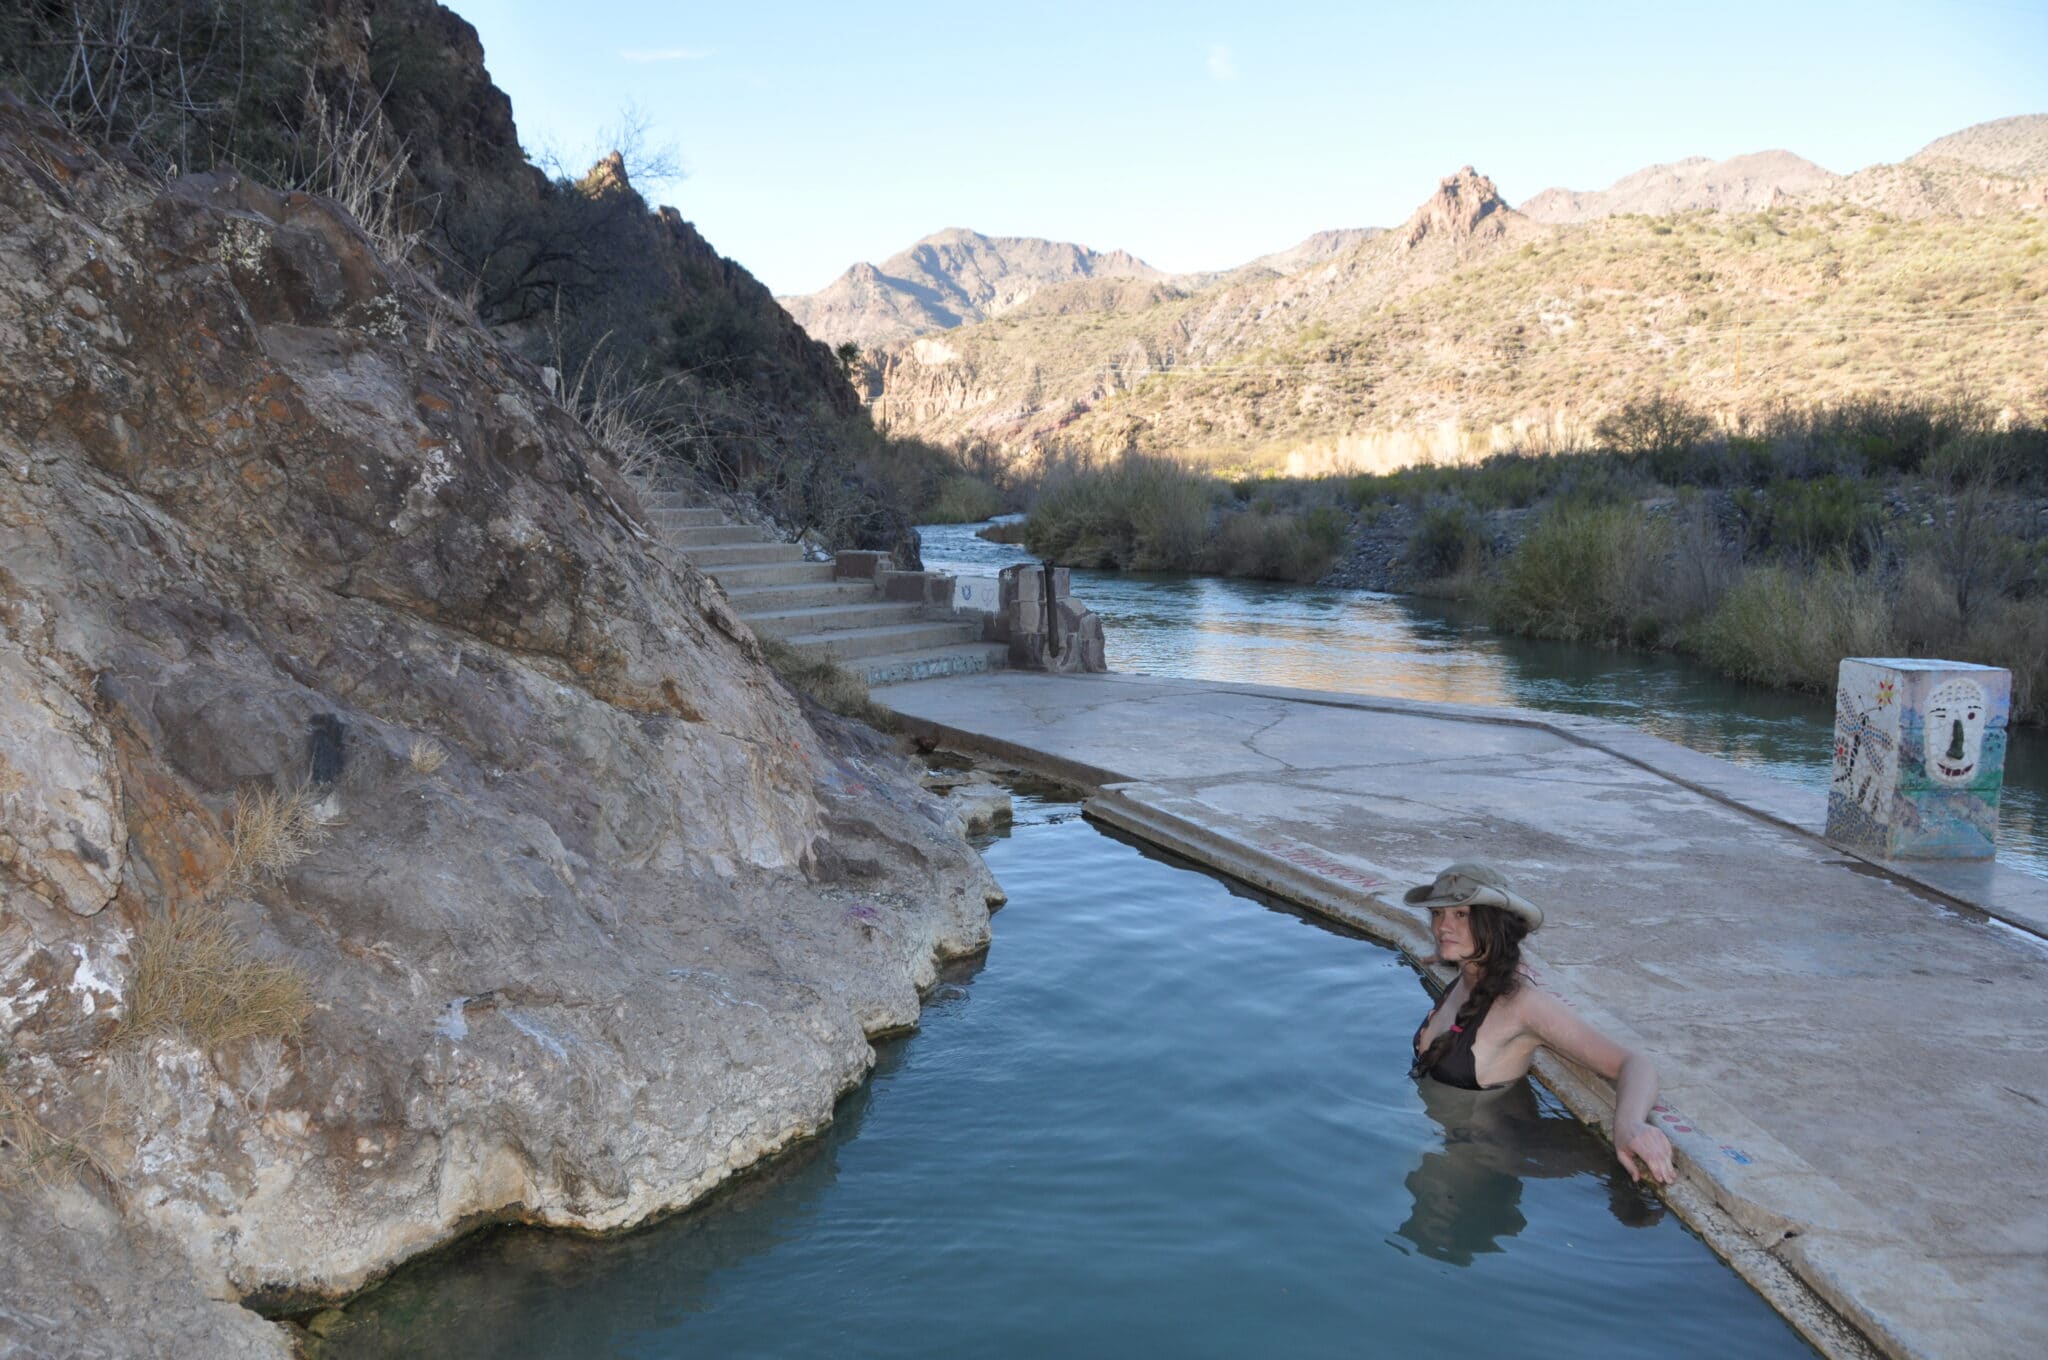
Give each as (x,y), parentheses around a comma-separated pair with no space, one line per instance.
(1045,627)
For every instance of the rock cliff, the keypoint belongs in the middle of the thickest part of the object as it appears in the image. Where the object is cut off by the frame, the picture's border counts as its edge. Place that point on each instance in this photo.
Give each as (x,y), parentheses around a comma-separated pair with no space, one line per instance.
(582,913)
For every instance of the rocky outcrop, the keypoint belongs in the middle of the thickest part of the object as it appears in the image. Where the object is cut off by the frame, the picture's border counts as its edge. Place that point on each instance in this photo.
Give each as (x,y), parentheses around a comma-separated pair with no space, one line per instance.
(589,913)
(1465,206)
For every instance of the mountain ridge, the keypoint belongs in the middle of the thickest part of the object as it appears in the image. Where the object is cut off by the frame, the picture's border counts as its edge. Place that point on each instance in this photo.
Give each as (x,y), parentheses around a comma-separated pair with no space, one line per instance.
(1476,327)
(950,278)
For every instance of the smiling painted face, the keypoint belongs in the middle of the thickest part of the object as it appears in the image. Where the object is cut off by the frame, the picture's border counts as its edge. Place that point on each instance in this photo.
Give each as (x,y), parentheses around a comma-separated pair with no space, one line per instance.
(1956,714)
(1452,927)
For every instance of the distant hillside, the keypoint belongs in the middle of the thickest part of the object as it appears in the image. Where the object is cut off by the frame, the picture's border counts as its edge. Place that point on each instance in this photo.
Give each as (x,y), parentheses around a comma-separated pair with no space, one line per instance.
(1739,184)
(953,278)
(1473,327)
(2008,146)
(1994,167)
(1322,246)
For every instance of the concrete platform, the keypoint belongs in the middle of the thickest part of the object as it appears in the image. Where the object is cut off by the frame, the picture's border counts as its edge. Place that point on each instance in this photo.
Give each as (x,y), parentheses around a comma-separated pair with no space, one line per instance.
(1854,1062)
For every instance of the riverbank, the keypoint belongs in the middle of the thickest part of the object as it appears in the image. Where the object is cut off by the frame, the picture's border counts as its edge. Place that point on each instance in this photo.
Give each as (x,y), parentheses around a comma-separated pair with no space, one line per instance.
(1768,551)
(1794,1044)
(1376,645)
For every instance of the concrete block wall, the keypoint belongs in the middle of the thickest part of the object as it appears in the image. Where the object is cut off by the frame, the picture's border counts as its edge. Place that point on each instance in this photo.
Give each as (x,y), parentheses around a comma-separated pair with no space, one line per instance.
(1919,757)
(1046,632)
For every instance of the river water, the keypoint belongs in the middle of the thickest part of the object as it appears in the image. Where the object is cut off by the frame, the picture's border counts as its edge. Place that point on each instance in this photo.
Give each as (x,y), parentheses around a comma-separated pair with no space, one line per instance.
(1360,642)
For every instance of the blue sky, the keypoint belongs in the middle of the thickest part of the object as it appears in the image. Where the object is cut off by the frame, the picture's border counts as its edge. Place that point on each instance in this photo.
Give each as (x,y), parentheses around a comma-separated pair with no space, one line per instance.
(1200,135)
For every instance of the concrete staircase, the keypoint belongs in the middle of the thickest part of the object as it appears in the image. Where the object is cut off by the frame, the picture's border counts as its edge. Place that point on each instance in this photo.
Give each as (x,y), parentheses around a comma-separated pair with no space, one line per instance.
(812,607)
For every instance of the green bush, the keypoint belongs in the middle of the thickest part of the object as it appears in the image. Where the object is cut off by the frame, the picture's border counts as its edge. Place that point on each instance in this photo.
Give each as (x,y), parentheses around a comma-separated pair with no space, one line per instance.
(1811,520)
(1790,625)
(1279,545)
(1139,513)
(963,499)
(1584,574)
(1450,538)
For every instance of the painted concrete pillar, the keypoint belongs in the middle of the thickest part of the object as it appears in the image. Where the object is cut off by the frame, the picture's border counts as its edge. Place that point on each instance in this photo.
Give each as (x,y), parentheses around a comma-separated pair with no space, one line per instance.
(1919,757)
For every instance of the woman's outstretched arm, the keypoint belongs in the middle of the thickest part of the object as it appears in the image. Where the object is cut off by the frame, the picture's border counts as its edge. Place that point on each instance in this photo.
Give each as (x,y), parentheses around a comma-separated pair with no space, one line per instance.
(1641,1146)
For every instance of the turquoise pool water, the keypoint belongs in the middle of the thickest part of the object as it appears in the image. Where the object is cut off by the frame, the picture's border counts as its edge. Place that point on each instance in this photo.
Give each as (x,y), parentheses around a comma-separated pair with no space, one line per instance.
(1162,1117)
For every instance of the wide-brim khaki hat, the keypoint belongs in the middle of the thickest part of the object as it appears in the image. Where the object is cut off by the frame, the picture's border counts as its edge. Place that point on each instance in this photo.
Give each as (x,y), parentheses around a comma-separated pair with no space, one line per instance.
(1466,885)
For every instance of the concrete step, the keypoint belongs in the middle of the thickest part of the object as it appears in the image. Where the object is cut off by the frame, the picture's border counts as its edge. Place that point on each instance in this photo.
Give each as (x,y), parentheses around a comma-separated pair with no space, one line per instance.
(692,537)
(831,618)
(967,658)
(683,517)
(846,644)
(745,577)
(767,599)
(743,555)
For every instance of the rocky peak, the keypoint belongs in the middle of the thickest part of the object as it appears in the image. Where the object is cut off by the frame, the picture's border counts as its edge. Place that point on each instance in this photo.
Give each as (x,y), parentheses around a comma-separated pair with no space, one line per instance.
(1465,205)
(608,176)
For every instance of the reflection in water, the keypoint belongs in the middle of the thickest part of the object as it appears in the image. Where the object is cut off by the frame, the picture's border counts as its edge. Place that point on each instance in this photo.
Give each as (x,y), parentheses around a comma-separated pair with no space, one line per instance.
(1467,1194)
(1357,642)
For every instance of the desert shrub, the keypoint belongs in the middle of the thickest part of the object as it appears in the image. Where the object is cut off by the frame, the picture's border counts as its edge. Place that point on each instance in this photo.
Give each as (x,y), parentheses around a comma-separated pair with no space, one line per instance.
(1662,424)
(1139,512)
(2012,633)
(824,682)
(1583,574)
(1280,545)
(1810,520)
(1882,435)
(195,977)
(1499,481)
(963,499)
(33,1152)
(1590,482)
(1790,625)
(1696,573)
(1451,537)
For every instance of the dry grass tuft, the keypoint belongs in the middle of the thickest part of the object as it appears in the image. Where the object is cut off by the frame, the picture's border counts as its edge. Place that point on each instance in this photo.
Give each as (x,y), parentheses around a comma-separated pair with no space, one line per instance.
(272,832)
(33,1153)
(195,977)
(426,755)
(825,683)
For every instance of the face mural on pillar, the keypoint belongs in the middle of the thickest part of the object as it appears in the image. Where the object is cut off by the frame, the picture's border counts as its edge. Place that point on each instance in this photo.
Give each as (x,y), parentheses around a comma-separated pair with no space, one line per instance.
(1956,714)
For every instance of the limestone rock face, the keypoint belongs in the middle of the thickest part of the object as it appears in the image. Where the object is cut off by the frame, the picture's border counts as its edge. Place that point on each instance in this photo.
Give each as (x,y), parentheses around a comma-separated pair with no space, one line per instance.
(593,915)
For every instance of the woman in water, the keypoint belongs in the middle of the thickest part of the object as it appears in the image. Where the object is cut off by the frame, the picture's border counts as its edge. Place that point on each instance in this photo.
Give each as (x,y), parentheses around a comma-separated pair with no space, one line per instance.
(1485,1031)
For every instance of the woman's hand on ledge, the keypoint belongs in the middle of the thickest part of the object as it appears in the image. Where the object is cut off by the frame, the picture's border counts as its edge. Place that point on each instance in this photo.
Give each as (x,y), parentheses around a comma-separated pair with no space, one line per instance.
(1645,1149)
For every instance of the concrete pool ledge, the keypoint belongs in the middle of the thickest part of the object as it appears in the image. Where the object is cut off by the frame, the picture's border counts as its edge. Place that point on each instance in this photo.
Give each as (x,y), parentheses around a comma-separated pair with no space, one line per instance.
(1855,1072)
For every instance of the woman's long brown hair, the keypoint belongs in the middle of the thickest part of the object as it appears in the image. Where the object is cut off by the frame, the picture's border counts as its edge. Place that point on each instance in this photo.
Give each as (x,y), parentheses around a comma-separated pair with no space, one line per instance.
(1497,936)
